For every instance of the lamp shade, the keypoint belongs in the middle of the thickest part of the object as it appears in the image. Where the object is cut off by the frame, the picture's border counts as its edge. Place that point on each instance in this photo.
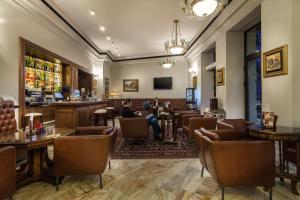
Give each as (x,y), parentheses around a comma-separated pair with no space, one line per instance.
(203,8)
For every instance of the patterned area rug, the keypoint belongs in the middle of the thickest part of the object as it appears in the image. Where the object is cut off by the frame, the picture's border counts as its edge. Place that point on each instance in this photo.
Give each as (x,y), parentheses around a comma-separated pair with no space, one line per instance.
(139,149)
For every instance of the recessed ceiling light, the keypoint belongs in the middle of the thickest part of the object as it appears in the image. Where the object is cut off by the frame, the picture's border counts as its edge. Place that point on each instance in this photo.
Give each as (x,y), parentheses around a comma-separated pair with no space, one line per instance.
(92,12)
(119,54)
(116,49)
(102,28)
(108,37)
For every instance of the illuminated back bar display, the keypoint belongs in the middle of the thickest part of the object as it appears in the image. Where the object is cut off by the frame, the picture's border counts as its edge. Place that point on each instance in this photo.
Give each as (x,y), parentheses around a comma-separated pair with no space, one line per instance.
(43,75)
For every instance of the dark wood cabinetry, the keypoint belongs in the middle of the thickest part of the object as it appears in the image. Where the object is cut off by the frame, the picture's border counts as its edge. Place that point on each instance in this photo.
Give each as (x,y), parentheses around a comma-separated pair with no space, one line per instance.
(74,114)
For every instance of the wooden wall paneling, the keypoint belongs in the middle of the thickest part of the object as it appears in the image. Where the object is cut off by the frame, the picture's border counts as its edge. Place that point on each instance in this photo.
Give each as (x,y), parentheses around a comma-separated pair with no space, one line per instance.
(65,118)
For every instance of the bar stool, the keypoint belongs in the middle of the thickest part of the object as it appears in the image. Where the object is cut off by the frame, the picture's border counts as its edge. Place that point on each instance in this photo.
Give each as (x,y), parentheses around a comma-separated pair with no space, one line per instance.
(27,116)
(111,113)
(100,114)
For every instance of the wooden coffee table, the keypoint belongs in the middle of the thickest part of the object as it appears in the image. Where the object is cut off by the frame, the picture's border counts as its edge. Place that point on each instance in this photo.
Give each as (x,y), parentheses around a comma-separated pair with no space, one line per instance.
(281,135)
(38,166)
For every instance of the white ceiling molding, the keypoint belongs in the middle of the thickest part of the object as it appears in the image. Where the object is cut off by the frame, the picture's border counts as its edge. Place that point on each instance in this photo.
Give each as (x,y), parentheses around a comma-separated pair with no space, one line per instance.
(232,15)
(44,16)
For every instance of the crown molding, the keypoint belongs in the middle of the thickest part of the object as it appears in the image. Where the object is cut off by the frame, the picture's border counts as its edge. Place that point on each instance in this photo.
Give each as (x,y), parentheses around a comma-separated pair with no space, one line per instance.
(45,17)
(108,54)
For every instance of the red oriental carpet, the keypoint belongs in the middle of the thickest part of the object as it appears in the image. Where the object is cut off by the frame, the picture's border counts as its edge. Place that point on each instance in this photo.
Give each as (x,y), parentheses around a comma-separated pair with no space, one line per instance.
(153,149)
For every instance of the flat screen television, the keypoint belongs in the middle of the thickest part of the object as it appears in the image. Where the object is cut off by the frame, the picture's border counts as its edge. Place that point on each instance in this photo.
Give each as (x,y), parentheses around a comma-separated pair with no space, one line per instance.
(163,83)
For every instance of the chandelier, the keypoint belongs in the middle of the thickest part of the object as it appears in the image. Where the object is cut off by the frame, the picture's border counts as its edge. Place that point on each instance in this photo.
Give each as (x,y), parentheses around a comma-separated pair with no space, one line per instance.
(168,62)
(177,45)
(200,9)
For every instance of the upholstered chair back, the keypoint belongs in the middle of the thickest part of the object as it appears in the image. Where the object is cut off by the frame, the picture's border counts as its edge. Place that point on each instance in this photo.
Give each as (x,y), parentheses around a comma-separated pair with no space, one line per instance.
(8,122)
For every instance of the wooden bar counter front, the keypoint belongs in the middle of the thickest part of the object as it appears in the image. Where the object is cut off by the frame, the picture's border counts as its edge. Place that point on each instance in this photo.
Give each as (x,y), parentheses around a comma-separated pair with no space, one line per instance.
(74,114)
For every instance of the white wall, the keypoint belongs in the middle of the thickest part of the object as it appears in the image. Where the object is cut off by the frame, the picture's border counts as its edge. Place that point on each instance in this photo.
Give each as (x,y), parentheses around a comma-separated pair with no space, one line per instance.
(295,48)
(221,62)
(207,80)
(277,92)
(235,89)
(18,22)
(145,72)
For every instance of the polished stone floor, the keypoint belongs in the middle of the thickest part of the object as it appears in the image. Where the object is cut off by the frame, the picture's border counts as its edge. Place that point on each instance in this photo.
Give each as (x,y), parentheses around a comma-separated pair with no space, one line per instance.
(150,180)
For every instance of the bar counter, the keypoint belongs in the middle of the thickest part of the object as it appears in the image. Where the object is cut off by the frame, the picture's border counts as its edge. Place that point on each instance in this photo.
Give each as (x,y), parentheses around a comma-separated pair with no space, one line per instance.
(77,113)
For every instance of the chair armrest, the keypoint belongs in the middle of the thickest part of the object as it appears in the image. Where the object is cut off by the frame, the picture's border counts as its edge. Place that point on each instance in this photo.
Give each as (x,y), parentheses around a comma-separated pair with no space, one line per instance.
(222,125)
(227,134)
(90,130)
(201,122)
(242,163)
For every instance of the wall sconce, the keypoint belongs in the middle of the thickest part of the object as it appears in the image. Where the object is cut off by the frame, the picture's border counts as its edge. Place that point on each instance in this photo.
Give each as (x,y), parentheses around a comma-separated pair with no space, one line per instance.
(96,75)
(193,70)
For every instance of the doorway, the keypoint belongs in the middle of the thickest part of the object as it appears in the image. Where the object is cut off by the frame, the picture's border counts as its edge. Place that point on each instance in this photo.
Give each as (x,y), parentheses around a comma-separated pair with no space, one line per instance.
(253,74)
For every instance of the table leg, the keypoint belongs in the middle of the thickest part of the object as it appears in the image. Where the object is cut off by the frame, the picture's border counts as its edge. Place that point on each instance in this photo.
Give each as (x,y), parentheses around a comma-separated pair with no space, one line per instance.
(294,183)
(281,163)
(163,129)
(36,168)
(174,124)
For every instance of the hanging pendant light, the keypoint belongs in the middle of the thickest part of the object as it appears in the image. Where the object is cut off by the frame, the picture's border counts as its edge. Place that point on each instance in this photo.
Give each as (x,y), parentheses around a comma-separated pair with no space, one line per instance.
(177,45)
(203,8)
(168,62)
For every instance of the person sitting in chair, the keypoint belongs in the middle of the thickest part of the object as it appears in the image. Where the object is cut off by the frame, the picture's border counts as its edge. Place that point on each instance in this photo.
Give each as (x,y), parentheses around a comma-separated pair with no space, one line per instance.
(152,120)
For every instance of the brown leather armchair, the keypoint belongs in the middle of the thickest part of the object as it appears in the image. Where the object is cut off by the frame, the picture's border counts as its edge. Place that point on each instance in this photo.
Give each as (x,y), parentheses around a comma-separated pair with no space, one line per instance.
(7,172)
(193,122)
(81,155)
(8,125)
(134,127)
(181,113)
(239,163)
(100,130)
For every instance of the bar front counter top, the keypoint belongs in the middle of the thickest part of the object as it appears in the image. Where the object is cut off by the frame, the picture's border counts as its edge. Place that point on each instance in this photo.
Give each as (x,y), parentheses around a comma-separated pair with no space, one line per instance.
(71,114)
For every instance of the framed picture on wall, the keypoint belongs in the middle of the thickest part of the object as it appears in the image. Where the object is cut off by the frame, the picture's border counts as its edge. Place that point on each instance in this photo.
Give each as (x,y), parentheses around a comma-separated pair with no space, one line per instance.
(195,82)
(130,85)
(275,62)
(220,75)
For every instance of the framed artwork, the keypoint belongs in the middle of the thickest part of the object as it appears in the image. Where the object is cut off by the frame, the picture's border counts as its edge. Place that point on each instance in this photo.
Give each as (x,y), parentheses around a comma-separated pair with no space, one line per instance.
(220,74)
(275,62)
(130,85)
(95,86)
(106,88)
(269,120)
(195,82)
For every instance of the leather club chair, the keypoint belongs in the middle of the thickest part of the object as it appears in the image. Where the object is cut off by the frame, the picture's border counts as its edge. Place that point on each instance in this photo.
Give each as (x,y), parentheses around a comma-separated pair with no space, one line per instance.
(181,113)
(8,125)
(134,127)
(100,130)
(239,163)
(7,172)
(191,123)
(81,155)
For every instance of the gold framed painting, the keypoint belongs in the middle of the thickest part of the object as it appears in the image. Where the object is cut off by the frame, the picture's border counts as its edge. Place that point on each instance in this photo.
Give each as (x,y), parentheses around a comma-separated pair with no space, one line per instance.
(130,85)
(195,82)
(275,62)
(220,76)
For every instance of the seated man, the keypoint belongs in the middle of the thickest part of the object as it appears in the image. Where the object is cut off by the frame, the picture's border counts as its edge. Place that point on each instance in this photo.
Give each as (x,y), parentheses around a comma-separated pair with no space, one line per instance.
(147,105)
(128,112)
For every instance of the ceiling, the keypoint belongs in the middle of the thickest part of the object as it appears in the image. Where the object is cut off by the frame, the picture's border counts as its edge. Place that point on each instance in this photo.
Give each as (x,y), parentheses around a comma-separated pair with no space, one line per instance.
(138,28)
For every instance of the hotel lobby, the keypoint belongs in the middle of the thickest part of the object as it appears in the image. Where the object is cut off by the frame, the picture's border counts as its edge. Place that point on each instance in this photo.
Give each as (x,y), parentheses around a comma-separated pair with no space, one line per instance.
(159,99)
